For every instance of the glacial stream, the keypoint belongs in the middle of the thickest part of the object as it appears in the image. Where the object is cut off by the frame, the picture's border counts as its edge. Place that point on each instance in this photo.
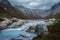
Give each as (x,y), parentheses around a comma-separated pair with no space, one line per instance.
(21,32)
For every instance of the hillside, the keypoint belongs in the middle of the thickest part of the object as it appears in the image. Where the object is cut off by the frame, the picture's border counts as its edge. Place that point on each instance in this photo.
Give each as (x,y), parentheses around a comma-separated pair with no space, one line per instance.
(54,30)
(25,13)
(6,10)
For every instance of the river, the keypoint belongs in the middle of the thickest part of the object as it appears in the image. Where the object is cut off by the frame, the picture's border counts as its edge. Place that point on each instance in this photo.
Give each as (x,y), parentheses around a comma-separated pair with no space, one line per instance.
(21,33)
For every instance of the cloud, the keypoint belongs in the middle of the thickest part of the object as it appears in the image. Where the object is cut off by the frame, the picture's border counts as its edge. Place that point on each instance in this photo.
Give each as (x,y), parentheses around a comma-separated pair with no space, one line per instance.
(42,4)
(45,7)
(34,3)
(22,1)
(19,2)
(56,1)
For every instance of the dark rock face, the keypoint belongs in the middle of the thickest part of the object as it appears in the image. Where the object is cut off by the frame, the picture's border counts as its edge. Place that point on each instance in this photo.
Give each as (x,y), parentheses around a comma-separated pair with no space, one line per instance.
(5,6)
(56,8)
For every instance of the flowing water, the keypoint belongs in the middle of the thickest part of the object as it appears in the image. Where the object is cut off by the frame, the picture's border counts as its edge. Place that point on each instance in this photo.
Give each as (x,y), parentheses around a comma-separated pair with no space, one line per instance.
(8,34)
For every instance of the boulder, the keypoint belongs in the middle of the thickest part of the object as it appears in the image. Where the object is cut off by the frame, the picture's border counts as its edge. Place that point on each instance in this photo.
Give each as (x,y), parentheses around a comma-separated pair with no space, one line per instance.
(4,24)
(17,24)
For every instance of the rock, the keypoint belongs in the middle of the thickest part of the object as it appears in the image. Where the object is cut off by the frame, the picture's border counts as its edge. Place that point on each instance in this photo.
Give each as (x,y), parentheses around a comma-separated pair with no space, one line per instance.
(1,19)
(17,24)
(51,21)
(32,29)
(4,24)
(14,19)
(41,28)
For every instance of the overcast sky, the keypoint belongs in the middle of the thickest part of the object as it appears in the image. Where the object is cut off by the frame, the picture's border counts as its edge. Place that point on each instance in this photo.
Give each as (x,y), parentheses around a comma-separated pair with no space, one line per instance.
(35,4)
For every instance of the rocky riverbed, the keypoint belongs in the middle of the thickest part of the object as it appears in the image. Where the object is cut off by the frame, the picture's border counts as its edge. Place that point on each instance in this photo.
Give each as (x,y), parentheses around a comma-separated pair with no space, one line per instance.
(19,29)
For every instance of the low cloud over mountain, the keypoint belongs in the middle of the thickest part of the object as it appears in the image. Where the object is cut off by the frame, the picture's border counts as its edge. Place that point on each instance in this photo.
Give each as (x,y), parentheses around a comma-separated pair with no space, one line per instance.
(35,4)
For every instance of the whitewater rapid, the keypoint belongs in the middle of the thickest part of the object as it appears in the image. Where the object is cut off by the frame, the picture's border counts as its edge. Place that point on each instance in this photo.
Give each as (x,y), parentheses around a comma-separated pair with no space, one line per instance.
(7,34)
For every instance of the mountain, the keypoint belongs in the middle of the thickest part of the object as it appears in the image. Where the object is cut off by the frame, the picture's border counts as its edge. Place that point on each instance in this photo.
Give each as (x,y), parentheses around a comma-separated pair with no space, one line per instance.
(32,13)
(3,7)
(55,9)
(20,11)
(38,13)
(7,8)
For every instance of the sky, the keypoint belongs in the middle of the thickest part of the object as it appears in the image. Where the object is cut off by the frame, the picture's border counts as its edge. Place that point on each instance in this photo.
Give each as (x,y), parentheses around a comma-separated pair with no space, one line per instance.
(35,4)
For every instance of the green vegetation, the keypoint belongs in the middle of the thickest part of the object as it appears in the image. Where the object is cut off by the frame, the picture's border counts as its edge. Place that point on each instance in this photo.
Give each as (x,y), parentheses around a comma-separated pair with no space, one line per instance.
(57,16)
(54,30)
(4,13)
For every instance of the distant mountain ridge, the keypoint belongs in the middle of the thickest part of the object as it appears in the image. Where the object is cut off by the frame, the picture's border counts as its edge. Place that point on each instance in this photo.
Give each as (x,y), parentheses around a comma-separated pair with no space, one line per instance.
(27,13)
(33,13)
(56,8)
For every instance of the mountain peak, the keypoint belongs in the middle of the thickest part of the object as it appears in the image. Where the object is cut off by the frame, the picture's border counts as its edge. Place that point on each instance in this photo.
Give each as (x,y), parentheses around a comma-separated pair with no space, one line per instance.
(55,6)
